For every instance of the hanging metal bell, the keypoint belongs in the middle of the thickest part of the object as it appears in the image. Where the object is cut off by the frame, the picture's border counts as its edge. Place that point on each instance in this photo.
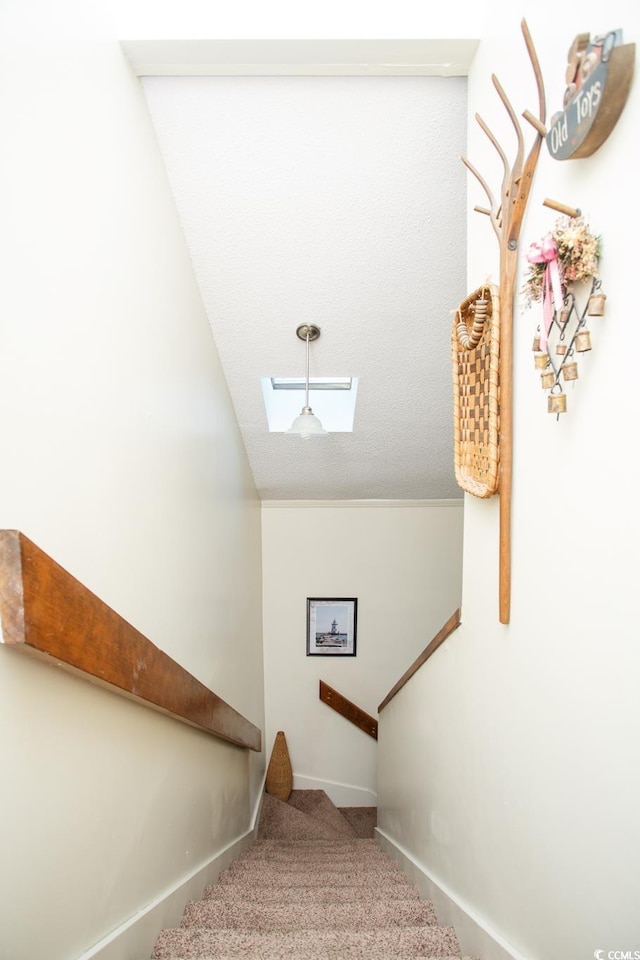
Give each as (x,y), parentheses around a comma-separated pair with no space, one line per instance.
(583,341)
(561,349)
(596,305)
(547,379)
(536,344)
(541,361)
(570,371)
(557,403)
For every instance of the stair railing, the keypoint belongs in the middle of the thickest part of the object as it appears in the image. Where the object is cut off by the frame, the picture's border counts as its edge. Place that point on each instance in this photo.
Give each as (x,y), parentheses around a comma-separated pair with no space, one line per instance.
(348,710)
(46,612)
(452,624)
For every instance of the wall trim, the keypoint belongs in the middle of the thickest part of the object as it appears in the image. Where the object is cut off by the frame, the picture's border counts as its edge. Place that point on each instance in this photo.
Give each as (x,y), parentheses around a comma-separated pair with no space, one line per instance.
(342,794)
(475,935)
(279,504)
(437,57)
(137,935)
(257,807)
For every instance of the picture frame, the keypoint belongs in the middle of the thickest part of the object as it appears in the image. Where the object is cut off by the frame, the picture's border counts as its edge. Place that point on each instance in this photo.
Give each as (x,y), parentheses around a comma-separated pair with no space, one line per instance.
(332,626)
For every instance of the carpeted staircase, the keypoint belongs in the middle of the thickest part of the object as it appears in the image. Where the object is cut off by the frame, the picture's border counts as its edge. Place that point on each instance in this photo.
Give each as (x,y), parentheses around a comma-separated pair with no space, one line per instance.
(313,886)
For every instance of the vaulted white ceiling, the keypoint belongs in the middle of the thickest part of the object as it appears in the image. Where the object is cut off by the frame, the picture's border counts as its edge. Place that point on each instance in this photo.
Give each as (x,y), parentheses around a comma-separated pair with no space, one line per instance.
(338,201)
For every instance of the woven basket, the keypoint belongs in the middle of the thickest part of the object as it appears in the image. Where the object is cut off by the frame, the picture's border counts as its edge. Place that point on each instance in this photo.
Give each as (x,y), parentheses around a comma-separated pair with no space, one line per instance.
(475,348)
(279,781)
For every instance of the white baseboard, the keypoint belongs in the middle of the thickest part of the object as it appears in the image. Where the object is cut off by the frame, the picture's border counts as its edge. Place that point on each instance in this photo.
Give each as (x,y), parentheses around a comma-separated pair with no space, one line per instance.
(136,936)
(257,808)
(475,936)
(342,794)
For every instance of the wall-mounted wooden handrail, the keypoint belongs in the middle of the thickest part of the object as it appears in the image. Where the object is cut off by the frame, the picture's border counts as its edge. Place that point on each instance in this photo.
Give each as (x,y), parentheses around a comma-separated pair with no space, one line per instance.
(46,612)
(452,624)
(348,710)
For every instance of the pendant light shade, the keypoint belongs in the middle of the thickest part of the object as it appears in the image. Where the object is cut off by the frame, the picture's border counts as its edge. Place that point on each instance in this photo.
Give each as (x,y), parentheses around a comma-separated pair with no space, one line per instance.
(306,424)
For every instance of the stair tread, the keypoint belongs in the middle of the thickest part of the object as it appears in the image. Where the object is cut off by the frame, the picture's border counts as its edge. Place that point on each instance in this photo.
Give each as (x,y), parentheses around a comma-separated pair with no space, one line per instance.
(362,819)
(317,804)
(304,894)
(309,888)
(356,842)
(258,868)
(323,861)
(279,820)
(289,878)
(348,945)
(261,918)
(314,855)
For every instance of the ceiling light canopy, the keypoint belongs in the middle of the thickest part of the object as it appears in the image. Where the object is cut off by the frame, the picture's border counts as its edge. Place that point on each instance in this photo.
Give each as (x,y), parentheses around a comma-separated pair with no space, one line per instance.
(306,424)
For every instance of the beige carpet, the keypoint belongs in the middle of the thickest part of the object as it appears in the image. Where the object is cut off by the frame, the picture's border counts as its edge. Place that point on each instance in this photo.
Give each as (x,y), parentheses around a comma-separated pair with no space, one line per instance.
(310,889)
(303,818)
(362,819)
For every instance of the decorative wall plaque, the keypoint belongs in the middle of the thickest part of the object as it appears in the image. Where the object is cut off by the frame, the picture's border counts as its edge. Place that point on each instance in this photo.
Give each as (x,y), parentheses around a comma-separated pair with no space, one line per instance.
(599,74)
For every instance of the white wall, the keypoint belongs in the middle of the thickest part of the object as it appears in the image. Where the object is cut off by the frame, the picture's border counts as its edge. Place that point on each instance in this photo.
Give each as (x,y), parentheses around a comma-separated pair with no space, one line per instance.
(523,804)
(122,460)
(402,562)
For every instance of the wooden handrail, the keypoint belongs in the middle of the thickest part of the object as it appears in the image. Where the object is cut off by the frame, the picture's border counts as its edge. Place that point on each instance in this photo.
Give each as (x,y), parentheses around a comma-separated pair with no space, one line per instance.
(348,710)
(46,612)
(452,624)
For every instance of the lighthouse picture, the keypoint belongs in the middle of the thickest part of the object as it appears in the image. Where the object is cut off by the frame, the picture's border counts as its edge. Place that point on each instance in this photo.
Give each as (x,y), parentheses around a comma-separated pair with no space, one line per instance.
(331,627)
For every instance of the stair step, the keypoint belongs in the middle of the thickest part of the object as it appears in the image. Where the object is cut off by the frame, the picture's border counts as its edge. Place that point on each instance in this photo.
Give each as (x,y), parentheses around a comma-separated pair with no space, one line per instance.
(349,852)
(377,944)
(266,918)
(273,868)
(291,821)
(303,861)
(362,819)
(314,847)
(302,894)
(312,956)
(319,878)
(309,888)
(335,843)
(317,804)
(282,857)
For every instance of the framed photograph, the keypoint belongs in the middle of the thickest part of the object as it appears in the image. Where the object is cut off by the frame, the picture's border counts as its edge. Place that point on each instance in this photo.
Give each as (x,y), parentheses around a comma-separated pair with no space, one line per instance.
(331,626)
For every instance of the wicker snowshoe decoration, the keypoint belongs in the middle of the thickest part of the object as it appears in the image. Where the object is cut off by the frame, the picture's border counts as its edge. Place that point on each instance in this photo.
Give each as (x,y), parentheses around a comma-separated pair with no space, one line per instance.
(475,347)
(279,781)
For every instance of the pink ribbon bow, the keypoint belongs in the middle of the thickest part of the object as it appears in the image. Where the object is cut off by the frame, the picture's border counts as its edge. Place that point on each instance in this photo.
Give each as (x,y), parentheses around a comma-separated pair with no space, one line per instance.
(546,251)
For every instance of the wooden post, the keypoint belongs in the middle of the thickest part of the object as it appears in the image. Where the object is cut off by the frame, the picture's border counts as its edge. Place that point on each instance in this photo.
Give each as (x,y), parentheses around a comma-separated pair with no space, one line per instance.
(507,217)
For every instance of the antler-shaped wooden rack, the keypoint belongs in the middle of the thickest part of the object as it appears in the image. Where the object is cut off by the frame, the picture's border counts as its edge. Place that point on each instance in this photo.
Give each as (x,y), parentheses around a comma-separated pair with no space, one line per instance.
(506,218)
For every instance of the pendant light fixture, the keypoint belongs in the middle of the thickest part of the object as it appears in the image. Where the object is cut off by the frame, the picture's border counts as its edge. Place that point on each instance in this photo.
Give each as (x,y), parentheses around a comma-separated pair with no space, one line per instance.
(306,424)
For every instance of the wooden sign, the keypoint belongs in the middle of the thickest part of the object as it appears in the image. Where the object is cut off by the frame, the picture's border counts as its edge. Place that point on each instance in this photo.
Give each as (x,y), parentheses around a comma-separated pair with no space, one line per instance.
(599,74)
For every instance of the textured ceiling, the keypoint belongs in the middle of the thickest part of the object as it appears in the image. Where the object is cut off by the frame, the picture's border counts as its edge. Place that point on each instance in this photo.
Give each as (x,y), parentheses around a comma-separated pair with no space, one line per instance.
(338,201)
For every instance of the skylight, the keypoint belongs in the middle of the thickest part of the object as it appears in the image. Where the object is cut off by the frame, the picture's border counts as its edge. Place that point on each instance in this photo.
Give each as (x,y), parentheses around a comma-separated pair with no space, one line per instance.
(333,400)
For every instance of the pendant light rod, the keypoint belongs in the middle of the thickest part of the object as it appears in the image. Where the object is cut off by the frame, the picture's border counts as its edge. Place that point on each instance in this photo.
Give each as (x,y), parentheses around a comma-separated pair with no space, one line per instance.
(306,423)
(307,332)
(306,392)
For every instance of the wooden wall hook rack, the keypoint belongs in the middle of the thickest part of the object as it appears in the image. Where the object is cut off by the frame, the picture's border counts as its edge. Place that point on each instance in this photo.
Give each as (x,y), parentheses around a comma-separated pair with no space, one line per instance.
(506,215)
(572,212)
